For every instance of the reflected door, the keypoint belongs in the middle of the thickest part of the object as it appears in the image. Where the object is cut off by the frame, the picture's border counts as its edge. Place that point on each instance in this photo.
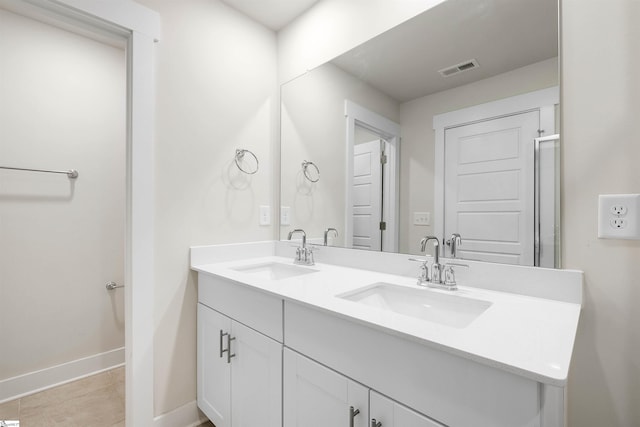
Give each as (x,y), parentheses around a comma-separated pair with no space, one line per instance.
(489,188)
(367,195)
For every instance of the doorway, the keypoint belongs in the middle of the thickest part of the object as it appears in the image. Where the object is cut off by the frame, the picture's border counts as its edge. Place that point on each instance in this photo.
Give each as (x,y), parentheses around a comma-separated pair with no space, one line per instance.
(63,93)
(369,161)
(486,178)
(371,218)
(140,27)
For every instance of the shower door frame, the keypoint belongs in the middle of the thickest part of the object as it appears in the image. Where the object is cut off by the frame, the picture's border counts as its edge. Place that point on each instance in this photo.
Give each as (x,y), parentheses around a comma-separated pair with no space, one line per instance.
(140,27)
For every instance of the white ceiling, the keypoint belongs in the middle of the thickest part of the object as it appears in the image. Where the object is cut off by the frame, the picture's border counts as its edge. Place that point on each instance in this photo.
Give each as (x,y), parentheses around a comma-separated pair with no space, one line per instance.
(501,34)
(274,14)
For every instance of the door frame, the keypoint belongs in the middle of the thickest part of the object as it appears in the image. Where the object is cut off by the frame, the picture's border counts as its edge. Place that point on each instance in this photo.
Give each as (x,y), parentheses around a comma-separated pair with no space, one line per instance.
(390,131)
(543,100)
(140,28)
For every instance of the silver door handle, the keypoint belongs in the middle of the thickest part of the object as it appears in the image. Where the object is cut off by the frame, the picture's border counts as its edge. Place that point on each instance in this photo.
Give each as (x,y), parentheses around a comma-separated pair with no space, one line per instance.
(222,335)
(352,415)
(112,285)
(229,354)
(228,349)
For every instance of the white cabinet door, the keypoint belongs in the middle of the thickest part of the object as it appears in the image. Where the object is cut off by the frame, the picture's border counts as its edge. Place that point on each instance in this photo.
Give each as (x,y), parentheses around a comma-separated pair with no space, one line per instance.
(388,413)
(256,379)
(239,373)
(315,396)
(214,373)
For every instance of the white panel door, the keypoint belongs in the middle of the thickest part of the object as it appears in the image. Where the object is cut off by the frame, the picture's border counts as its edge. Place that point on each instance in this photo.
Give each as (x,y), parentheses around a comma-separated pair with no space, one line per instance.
(214,373)
(256,379)
(315,396)
(489,188)
(367,196)
(389,413)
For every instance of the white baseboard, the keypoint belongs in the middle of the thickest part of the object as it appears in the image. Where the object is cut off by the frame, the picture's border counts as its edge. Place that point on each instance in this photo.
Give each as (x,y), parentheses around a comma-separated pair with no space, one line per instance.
(32,382)
(187,415)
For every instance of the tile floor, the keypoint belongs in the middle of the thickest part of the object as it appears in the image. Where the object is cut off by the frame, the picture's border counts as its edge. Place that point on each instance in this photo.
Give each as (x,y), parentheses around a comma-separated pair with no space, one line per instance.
(95,401)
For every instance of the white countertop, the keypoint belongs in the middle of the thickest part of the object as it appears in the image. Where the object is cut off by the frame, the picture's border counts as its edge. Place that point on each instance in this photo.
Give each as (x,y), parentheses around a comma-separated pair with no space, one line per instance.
(529,336)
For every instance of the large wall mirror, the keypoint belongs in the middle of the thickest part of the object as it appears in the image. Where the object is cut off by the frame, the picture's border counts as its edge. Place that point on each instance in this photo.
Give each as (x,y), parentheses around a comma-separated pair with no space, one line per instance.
(443,125)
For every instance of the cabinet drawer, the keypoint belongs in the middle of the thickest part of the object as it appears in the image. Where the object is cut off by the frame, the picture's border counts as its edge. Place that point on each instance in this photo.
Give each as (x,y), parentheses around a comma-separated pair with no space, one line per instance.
(255,309)
(453,390)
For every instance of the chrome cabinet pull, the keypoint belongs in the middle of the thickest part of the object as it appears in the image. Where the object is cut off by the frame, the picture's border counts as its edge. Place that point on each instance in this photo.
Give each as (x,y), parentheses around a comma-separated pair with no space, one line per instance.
(228,350)
(352,415)
(375,423)
(222,335)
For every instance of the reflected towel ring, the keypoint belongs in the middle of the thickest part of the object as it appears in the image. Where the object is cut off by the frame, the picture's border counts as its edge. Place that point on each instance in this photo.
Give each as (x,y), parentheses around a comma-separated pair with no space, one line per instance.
(310,174)
(240,157)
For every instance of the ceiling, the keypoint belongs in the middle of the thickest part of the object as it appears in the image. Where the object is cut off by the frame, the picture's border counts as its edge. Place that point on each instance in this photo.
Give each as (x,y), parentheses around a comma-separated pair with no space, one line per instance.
(274,14)
(501,35)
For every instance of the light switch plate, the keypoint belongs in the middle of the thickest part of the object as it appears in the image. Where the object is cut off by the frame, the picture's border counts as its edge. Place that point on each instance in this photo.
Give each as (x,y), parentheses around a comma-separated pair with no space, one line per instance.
(619,216)
(422,218)
(265,215)
(285,215)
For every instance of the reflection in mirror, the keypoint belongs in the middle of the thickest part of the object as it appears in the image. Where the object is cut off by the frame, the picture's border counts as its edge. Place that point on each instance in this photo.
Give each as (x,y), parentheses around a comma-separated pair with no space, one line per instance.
(370,121)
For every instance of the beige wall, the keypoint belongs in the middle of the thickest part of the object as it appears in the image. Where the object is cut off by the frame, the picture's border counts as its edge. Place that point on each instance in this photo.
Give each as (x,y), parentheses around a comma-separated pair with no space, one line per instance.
(216,80)
(62,106)
(314,129)
(601,138)
(418,137)
(216,91)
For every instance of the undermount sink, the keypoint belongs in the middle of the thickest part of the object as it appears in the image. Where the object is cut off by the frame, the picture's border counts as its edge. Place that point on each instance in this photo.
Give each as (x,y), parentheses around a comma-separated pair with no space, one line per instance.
(446,309)
(274,270)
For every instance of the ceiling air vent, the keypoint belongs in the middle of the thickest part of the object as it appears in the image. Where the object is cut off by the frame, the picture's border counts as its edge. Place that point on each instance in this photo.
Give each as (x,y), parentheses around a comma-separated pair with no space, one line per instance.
(459,68)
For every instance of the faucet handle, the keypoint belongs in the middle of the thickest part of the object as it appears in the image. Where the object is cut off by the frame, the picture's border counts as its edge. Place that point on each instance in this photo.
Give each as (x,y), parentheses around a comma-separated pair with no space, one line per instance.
(450,274)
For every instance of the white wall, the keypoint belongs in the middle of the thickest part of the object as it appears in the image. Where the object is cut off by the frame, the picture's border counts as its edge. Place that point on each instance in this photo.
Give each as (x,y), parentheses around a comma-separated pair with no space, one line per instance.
(62,106)
(418,137)
(332,27)
(216,91)
(314,129)
(601,143)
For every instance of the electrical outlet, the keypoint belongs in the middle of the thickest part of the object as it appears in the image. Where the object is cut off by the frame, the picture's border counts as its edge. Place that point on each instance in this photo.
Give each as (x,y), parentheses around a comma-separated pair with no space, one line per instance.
(285,215)
(619,216)
(618,210)
(421,218)
(265,215)
(618,223)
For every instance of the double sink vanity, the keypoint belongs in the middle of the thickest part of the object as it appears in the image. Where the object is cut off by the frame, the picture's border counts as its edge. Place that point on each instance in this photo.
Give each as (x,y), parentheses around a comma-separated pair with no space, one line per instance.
(354,341)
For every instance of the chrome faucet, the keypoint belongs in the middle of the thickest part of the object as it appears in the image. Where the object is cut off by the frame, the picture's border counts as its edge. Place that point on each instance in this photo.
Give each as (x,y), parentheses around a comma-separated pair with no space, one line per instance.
(304,255)
(442,275)
(436,268)
(326,234)
(454,242)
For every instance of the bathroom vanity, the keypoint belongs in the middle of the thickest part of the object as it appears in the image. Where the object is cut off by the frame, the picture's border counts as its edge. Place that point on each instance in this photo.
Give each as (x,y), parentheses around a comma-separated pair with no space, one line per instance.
(354,341)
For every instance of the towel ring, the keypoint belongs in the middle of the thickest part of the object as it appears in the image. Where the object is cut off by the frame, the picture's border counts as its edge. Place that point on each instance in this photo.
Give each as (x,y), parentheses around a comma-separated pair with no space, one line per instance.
(240,156)
(310,175)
